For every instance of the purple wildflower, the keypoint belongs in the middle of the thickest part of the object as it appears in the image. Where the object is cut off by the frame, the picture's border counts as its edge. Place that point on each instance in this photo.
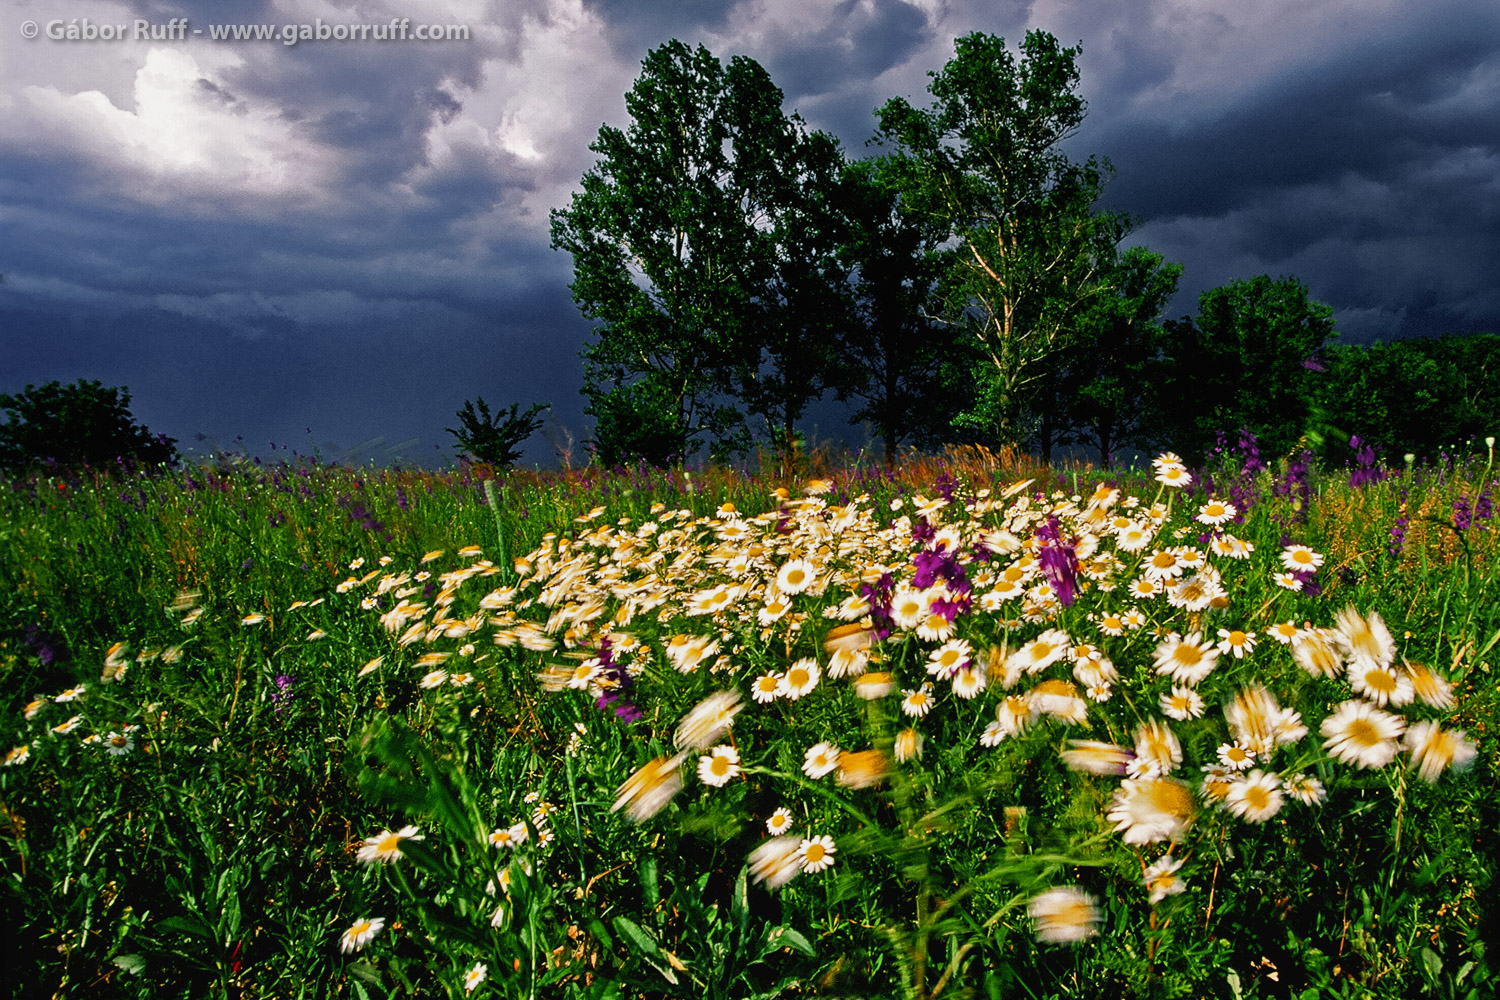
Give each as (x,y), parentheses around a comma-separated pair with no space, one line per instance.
(618,695)
(880,594)
(282,696)
(1463,514)
(1059,561)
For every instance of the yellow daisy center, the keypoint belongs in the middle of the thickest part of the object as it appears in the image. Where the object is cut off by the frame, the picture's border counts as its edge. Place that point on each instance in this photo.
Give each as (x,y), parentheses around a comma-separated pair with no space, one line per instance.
(1363,733)
(815,853)
(1187,654)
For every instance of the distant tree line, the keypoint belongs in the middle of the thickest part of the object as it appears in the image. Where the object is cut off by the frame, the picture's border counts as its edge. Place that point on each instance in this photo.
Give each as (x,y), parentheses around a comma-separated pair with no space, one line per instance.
(960,285)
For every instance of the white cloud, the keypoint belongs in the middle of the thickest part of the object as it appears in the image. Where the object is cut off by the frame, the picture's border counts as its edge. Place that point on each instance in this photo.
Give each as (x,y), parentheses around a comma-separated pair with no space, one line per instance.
(187,137)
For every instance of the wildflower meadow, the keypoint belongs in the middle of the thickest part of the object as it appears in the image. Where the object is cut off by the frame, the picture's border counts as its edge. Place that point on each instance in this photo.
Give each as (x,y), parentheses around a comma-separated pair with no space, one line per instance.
(969,726)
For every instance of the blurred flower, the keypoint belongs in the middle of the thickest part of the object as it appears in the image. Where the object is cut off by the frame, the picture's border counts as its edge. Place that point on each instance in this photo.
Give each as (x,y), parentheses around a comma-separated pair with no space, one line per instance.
(776,862)
(1161,878)
(360,933)
(17,755)
(1148,811)
(385,846)
(1429,686)
(475,976)
(1187,659)
(1364,639)
(908,745)
(67,726)
(1094,757)
(1358,733)
(646,792)
(1065,915)
(874,685)
(708,720)
(1434,749)
(863,769)
(1308,791)
(1182,703)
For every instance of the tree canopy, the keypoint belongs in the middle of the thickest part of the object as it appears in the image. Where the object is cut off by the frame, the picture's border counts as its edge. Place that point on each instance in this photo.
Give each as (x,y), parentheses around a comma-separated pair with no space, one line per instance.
(702,247)
(1028,252)
(85,423)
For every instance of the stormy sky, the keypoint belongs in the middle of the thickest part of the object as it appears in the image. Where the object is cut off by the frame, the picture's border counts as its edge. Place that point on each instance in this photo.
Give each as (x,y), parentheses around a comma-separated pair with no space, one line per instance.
(260,238)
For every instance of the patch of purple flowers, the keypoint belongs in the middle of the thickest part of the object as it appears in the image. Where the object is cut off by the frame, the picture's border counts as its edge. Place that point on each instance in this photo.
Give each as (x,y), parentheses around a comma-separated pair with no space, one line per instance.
(617,696)
(1059,560)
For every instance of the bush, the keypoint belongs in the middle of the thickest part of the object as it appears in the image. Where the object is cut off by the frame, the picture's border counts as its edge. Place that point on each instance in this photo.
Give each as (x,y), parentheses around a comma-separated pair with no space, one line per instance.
(80,424)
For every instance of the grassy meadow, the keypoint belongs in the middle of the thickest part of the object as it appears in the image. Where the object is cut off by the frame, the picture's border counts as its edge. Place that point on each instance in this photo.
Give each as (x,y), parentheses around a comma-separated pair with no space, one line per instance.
(970,727)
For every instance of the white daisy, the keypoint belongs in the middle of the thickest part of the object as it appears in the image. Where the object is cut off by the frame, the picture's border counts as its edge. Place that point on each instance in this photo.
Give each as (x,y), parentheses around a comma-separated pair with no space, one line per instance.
(716,768)
(820,759)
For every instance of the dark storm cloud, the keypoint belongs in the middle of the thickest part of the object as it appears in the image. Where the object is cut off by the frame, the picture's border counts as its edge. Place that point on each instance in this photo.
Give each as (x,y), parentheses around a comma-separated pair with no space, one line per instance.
(354,237)
(636,28)
(859,42)
(1372,176)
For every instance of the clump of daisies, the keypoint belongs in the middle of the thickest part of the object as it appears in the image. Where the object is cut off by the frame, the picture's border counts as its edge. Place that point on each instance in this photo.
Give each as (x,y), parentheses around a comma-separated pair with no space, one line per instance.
(1126,633)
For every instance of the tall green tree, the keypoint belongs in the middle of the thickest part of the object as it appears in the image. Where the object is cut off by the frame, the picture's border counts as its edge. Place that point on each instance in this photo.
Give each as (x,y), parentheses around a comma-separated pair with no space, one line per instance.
(896,353)
(69,425)
(799,300)
(1028,251)
(1102,384)
(1248,360)
(702,249)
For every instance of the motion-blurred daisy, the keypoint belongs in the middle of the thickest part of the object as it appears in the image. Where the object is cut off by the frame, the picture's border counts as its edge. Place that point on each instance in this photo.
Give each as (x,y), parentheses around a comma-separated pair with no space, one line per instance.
(385,846)
(1434,749)
(1358,733)
(1161,878)
(360,933)
(820,759)
(1065,915)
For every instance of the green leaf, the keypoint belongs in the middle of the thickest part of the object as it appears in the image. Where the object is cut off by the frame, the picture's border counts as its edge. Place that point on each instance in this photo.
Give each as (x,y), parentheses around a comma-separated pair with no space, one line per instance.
(635,935)
(192,925)
(133,965)
(1431,962)
(650,889)
(647,948)
(785,937)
